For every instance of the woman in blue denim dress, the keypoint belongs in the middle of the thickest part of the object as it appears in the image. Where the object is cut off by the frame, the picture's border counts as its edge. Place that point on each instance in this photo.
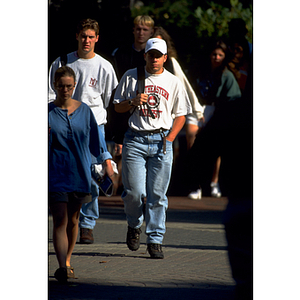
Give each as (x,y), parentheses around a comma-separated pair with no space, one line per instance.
(73,137)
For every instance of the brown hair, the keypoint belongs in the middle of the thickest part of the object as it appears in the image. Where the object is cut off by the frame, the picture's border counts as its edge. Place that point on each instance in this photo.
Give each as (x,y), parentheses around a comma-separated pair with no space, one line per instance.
(159,31)
(88,24)
(220,44)
(64,71)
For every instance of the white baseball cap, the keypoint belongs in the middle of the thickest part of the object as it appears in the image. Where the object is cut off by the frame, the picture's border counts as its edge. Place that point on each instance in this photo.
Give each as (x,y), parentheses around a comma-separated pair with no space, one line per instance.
(156,44)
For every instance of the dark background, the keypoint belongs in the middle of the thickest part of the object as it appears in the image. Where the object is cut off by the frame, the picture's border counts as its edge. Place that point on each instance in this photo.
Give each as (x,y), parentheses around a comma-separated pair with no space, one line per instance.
(115,18)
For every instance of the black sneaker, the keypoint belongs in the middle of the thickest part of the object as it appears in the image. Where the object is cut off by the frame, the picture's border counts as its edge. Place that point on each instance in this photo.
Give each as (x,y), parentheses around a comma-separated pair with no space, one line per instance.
(155,251)
(133,238)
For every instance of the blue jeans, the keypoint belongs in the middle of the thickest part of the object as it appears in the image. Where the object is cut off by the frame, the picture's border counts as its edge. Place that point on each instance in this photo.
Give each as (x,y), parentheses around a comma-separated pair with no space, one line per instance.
(146,173)
(89,212)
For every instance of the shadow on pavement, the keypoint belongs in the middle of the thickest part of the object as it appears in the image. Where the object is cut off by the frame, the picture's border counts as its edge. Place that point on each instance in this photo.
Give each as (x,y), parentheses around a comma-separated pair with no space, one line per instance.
(202,217)
(191,247)
(105,254)
(80,290)
(185,216)
(198,247)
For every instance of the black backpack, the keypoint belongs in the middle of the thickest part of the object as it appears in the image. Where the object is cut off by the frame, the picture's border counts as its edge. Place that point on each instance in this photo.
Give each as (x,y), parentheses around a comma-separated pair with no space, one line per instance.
(63,59)
(117,123)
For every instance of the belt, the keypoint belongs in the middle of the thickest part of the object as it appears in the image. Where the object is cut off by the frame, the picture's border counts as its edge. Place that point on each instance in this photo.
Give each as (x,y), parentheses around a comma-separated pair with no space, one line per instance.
(162,131)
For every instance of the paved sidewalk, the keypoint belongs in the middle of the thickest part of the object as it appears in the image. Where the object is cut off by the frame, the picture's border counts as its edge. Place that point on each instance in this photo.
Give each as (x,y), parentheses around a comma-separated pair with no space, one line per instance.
(195,265)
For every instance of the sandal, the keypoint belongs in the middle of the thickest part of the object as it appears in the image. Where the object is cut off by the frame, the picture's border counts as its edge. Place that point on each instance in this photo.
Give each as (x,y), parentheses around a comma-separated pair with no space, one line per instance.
(70,272)
(61,275)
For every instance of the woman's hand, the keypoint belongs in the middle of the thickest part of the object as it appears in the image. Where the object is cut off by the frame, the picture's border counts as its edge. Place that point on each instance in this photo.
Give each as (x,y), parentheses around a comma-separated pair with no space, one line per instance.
(109,169)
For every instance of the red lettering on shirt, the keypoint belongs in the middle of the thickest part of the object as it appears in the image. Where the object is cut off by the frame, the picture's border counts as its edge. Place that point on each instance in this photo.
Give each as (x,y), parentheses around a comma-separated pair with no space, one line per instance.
(156,89)
(144,112)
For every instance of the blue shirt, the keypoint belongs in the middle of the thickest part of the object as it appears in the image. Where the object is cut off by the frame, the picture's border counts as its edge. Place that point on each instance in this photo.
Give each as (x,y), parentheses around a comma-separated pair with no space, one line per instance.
(72,140)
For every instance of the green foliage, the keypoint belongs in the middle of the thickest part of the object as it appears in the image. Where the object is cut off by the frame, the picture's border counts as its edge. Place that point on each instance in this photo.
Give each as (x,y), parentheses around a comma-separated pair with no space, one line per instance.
(208,20)
(214,21)
(168,13)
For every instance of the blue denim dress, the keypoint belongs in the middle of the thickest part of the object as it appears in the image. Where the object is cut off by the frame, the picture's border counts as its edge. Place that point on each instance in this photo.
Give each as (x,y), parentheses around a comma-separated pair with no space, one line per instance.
(72,140)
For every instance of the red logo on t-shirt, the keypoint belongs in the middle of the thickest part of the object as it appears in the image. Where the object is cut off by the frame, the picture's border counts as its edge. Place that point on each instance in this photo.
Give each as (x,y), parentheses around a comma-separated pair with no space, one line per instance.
(153,100)
(93,82)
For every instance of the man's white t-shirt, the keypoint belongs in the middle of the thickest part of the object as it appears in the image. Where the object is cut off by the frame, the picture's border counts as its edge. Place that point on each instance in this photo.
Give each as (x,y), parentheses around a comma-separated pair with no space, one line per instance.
(95,81)
(167,98)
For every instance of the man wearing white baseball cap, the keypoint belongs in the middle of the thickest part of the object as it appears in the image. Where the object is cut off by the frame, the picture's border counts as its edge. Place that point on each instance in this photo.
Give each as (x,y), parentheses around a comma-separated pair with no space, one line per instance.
(147,146)
(156,44)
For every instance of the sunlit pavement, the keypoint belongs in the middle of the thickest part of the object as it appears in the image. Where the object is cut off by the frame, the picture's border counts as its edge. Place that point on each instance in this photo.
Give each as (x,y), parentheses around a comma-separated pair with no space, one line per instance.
(195,266)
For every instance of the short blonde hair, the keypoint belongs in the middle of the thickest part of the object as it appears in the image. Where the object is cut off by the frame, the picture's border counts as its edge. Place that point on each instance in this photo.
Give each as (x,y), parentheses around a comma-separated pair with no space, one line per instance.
(144,20)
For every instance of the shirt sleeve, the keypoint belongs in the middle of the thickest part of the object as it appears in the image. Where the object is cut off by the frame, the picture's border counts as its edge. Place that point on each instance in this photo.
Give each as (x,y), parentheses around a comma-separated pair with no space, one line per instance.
(182,105)
(196,107)
(127,87)
(110,84)
(231,86)
(51,91)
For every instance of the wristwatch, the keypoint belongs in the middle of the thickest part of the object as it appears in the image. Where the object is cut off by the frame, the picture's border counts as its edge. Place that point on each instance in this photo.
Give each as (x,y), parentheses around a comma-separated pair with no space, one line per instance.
(130,102)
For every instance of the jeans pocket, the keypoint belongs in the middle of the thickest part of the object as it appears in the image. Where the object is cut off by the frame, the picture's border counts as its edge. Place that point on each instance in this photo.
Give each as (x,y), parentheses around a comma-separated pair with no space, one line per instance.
(169,145)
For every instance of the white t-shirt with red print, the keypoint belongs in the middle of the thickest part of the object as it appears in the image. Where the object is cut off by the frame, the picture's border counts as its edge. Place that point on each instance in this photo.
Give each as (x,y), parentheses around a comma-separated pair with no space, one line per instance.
(167,99)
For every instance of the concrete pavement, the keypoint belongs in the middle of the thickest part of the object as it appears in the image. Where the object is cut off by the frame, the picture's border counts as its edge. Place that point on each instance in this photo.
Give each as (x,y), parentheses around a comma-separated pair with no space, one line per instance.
(195,266)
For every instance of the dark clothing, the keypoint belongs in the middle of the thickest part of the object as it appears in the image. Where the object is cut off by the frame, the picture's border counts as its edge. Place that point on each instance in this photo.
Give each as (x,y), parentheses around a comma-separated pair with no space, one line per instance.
(72,197)
(125,58)
(218,88)
(229,134)
(169,65)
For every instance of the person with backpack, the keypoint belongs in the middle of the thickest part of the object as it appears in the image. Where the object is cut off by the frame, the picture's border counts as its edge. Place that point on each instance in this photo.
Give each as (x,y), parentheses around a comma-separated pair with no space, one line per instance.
(129,55)
(96,79)
(147,154)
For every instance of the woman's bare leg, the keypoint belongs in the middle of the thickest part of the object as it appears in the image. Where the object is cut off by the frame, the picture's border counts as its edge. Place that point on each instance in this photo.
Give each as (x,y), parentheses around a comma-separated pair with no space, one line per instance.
(60,239)
(215,177)
(191,132)
(72,229)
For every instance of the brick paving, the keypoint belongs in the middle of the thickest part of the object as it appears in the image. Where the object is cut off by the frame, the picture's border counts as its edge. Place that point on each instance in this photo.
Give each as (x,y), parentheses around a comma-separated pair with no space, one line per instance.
(195,265)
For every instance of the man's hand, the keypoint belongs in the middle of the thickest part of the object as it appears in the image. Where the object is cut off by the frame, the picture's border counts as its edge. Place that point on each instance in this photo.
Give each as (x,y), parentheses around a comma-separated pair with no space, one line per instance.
(177,125)
(124,106)
(140,99)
